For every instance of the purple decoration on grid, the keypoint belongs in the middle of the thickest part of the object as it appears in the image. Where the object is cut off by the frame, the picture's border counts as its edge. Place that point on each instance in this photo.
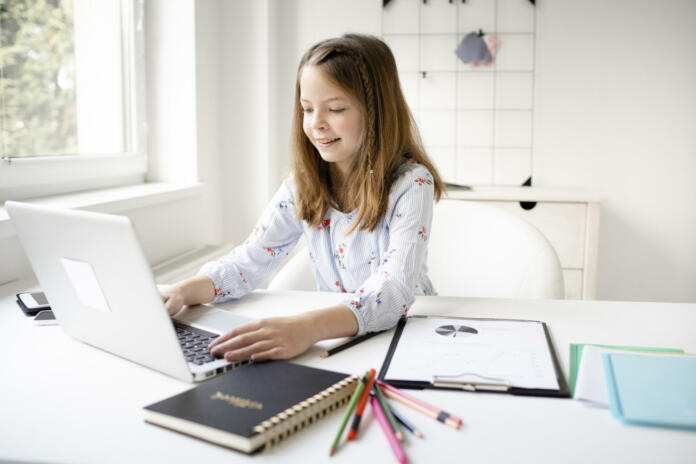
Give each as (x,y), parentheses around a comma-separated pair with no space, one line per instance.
(473,49)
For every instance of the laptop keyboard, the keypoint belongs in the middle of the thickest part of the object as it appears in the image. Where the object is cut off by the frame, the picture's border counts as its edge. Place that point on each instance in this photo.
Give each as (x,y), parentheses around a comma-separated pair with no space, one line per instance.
(194,343)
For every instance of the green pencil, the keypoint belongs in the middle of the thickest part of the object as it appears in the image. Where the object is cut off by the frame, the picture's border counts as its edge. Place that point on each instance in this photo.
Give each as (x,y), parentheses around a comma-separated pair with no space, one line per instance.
(351,406)
(387,412)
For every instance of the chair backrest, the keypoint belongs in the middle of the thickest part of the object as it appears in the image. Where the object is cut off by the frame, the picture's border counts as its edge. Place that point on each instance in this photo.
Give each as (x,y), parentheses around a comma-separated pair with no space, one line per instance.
(483,251)
(296,273)
(473,250)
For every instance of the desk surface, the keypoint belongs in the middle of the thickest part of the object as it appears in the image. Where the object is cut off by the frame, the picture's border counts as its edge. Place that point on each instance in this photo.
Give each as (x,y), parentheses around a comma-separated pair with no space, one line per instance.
(64,401)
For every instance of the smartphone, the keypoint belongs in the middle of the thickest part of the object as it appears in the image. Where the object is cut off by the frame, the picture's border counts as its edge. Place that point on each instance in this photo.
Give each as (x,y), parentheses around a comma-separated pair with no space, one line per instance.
(45,317)
(32,303)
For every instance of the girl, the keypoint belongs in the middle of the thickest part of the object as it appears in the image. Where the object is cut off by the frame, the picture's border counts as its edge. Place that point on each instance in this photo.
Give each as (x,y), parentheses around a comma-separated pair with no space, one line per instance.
(361,191)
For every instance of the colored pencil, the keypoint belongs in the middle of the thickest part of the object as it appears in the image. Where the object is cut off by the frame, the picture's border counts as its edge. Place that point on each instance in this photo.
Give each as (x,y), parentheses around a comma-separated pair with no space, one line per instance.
(407,425)
(353,432)
(386,428)
(347,344)
(420,405)
(351,406)
(387,412)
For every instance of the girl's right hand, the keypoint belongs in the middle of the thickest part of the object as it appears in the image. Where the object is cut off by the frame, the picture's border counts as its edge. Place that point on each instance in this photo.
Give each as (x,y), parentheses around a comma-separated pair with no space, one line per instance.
(195,290)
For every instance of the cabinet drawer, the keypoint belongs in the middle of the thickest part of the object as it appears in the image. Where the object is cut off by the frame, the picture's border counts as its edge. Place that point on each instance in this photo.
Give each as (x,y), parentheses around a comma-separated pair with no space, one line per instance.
(563,224)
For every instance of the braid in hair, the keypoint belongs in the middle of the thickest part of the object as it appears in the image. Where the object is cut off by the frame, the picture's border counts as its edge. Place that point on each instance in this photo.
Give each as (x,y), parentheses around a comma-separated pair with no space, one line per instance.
(371,138)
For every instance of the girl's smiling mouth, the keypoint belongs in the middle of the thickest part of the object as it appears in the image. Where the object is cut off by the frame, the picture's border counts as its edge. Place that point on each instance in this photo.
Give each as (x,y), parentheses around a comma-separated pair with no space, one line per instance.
(325,143)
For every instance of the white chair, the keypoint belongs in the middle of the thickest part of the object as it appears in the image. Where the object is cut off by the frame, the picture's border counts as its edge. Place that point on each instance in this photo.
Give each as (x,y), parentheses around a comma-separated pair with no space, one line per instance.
(482,251)
(296,273)
(473,250)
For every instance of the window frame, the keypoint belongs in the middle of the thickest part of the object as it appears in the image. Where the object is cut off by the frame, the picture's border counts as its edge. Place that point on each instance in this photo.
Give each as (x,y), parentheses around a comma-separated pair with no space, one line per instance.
(30,177)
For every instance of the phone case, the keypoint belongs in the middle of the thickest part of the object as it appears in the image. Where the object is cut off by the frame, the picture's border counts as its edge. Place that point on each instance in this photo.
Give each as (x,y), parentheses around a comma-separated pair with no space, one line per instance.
(30,311)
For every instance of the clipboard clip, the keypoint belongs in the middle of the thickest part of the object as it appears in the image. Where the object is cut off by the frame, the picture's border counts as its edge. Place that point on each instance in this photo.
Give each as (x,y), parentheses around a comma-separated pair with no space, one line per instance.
(464,381)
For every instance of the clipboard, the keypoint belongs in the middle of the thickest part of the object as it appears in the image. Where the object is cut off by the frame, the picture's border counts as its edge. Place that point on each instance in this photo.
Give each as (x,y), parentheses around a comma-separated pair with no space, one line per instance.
(473,381)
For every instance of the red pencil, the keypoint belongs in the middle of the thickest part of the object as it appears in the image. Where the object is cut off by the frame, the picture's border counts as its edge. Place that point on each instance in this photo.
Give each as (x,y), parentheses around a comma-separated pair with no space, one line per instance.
(353,432)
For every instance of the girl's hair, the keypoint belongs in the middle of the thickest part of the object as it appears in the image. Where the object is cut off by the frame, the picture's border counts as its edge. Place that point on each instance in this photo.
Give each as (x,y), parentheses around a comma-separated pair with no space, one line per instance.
(364,67)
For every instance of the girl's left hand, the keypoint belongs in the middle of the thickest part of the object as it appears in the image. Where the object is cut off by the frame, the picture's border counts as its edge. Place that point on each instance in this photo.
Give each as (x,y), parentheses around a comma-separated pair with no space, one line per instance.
(271,338)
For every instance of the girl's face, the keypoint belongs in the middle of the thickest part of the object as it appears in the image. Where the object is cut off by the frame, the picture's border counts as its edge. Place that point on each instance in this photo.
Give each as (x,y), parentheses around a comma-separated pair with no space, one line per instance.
(333,121)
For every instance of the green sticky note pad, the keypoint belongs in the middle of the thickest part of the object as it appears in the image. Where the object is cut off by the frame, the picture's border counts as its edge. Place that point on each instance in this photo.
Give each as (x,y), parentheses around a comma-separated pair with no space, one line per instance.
(576,356)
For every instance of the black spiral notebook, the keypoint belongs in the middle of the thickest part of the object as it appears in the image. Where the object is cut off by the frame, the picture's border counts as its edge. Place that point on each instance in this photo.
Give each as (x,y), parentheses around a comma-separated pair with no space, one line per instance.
(255,406)
(474,354)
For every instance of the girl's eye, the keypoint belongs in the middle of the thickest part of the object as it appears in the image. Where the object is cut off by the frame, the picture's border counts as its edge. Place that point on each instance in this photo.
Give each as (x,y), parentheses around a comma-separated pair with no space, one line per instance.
(337,110)
(306,110)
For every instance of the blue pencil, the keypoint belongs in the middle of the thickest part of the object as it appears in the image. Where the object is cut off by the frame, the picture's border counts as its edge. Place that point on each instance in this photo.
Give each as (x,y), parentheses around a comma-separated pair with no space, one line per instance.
(407,425)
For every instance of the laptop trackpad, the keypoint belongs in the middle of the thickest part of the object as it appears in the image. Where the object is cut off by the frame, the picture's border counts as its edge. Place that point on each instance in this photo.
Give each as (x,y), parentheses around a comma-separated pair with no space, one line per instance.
(210,319)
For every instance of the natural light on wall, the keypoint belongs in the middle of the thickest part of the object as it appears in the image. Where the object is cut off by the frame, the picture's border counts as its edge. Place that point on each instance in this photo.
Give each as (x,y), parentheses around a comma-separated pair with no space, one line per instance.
(71,95)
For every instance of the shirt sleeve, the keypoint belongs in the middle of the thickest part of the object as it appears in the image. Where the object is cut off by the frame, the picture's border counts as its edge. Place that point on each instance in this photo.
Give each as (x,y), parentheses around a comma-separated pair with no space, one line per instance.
(247,266)
(388,294)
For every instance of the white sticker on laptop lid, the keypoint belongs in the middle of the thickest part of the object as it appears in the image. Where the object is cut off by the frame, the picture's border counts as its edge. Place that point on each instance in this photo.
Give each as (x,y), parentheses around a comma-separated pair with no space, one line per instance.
(85,283)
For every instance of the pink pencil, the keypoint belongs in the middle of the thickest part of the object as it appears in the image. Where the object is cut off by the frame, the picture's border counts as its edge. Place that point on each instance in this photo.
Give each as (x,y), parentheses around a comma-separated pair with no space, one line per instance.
(386,428)
(437,413)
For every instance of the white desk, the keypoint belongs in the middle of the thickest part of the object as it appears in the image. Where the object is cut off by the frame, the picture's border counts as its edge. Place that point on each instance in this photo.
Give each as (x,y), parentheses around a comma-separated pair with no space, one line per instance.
(63,401)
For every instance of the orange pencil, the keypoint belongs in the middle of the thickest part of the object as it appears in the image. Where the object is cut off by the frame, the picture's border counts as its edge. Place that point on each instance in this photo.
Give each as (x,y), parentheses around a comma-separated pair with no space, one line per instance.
(353,432)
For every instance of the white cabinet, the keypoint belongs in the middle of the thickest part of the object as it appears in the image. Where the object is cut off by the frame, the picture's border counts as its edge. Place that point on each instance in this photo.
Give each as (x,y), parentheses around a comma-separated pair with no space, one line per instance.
(568,218)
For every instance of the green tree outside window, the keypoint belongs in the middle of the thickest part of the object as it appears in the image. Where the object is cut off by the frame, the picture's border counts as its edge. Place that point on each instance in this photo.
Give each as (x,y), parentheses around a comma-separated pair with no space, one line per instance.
(37,78)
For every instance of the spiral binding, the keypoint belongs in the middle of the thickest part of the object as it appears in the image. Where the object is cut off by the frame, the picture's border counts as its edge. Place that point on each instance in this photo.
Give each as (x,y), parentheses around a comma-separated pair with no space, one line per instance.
(306,412)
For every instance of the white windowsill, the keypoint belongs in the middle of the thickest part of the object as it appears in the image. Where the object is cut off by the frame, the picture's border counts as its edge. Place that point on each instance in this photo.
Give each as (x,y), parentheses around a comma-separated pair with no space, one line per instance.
(111,200)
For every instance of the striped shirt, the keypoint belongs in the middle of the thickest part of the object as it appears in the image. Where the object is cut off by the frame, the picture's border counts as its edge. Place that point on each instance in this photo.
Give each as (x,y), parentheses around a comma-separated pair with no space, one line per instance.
(380,271)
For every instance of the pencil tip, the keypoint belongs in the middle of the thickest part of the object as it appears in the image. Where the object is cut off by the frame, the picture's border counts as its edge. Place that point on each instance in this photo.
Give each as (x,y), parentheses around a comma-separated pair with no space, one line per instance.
(400,435)
(324,355)
(333,450)
(418,433)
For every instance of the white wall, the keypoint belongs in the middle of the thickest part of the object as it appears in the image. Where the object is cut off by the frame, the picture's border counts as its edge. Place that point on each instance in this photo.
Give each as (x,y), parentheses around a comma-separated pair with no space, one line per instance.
(616,115)
(207,123)
(244,114)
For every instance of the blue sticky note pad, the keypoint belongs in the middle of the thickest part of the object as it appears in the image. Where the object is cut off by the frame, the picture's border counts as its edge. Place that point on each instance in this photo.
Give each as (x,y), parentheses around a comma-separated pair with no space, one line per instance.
(658,390)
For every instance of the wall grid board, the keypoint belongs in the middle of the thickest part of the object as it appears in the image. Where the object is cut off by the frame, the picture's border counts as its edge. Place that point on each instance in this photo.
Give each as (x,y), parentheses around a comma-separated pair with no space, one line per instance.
(477,122)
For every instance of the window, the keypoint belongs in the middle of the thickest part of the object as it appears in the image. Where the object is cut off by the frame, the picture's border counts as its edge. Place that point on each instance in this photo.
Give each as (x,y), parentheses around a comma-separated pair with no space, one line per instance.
(72,96)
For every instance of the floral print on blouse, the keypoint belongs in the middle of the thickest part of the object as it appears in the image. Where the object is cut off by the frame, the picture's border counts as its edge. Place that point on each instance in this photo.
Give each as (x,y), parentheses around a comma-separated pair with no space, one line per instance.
(380,272)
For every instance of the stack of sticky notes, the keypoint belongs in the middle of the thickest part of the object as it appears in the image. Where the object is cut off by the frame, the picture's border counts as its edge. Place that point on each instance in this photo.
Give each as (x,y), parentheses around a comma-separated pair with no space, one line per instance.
(647,386)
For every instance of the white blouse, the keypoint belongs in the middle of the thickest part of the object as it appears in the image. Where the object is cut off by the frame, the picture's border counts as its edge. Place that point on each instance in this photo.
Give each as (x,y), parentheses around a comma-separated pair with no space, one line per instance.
(380,271)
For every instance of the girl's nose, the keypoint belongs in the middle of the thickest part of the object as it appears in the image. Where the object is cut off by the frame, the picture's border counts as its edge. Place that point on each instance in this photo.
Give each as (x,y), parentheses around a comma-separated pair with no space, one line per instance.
(318,121)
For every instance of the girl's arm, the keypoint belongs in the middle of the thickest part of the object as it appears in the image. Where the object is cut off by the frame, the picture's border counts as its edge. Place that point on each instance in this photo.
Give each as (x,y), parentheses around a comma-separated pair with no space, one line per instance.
(285,337)
(248,265)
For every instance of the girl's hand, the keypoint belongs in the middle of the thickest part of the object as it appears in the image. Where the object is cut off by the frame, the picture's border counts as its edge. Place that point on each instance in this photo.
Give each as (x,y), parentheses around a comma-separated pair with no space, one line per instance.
(272,338)
(173,298)
(196,290)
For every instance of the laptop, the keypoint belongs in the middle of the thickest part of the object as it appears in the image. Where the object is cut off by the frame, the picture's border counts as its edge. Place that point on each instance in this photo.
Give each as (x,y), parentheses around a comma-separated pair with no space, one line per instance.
(101,288)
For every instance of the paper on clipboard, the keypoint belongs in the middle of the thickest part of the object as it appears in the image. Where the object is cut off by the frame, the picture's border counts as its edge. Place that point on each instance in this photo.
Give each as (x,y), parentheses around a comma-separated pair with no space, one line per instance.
(510,352)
